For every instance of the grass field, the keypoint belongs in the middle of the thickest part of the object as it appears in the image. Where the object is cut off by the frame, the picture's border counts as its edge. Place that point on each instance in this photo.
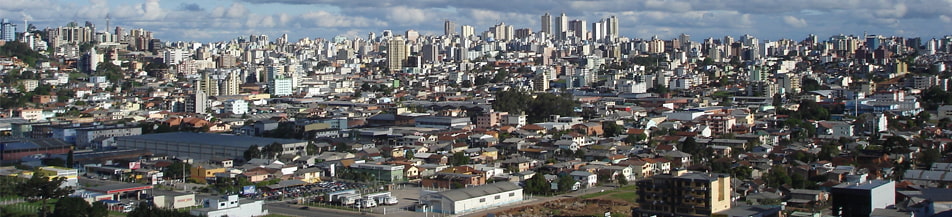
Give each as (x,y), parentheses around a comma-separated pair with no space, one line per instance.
(626,193)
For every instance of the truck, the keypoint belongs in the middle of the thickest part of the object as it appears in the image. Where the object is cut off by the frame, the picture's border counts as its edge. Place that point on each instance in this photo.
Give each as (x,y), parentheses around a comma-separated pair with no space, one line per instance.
(383,198)
(366,203)
(335,196)
(348,199)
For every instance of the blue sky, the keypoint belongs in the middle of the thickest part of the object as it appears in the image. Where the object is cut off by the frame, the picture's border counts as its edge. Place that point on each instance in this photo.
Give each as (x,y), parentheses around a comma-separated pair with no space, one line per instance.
(216,20)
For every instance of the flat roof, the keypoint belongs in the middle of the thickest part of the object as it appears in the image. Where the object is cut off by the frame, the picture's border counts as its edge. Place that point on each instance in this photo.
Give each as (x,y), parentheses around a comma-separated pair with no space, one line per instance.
(119,188)
(865,185)
(479,191)
(210,139)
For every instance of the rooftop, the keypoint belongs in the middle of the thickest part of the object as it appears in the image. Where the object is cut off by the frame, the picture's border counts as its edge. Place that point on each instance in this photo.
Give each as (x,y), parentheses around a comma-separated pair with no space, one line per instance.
(210,139)
(478,191)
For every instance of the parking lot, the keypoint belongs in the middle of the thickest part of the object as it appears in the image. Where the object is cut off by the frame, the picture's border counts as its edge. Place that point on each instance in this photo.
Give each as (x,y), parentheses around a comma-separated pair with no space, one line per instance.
(308,192)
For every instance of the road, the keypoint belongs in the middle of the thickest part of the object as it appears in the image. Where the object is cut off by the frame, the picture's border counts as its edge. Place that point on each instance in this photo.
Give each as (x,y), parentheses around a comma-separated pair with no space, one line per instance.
(285,209)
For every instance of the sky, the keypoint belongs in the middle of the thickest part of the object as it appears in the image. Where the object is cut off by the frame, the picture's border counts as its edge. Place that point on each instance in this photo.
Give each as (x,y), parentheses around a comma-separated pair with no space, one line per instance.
(219,20)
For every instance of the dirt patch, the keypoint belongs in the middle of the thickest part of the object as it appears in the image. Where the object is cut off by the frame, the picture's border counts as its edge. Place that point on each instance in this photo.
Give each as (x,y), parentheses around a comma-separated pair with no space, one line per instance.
(573,207)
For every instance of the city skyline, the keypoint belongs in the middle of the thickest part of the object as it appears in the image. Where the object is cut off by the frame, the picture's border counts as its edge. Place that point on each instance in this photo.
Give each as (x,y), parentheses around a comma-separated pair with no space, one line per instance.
(207,21)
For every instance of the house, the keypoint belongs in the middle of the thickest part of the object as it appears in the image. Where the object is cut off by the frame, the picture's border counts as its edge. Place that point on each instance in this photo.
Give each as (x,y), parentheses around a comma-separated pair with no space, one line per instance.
(411,172)
(202,172)
(455,177)
(516,164)
(834,129)
(261,174)
(587,179)
(590,128)
(309,175)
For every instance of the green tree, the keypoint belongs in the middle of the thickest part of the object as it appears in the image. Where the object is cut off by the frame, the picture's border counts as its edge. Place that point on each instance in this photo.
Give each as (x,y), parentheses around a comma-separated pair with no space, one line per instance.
(178,170)
(69,159)
(273,150)
(635,138)
(927,157)
(98,209)
(808,84)
(311,149)
(895,144)
(741,172)
(145,209)
(73,207)
(458,159)
(41,188)
(566,183)
(690,146)
(611,129)
(253,152)
(778,176)
(537,185)
(622,180)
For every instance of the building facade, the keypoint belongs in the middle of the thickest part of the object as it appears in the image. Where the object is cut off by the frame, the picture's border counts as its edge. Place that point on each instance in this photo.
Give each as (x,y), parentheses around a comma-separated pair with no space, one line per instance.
(860,199)
(683,193)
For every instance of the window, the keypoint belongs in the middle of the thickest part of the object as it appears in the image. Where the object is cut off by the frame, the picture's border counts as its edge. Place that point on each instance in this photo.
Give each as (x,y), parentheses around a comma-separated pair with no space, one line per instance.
(482,200)
(512,194)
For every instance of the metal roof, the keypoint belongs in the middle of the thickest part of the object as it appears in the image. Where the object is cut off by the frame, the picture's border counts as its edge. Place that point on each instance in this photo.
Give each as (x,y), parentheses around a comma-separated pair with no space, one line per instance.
(209,139)
(479,191)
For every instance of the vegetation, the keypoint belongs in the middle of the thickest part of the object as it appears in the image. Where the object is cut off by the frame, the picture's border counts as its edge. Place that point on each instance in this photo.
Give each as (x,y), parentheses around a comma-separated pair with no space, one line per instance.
(538,108)
(934,97)
(145,209)
(21,51)
(42,189)
(77,207)
(458,159)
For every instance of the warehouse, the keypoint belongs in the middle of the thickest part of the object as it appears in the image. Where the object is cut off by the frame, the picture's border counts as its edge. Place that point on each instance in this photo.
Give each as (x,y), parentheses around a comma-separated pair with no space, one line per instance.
(464,200)
(204,146)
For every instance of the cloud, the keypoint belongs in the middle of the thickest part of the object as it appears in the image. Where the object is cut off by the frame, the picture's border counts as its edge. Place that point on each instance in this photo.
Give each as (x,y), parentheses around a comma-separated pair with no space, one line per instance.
(190,7)
(638,18)
(795,22)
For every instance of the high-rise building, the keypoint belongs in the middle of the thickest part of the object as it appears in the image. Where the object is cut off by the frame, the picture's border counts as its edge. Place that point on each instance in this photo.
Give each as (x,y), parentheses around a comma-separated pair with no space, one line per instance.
(561,26)
(198,101)
(598,30)
(466,31)
(577,28)
(449,28)
(430,54)
(611,27)
(683,193)
(396,54)
(412,35)
(280,86)
(8,31)
(503,32)
(546,24)
(523,33)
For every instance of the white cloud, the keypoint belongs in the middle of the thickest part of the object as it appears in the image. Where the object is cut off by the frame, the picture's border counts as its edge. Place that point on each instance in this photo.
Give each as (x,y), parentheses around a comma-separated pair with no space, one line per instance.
(795,22)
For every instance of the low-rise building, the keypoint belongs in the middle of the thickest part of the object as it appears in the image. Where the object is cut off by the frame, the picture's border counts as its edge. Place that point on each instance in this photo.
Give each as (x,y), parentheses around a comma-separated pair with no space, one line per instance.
(230,206)
(464,200)
(383,173)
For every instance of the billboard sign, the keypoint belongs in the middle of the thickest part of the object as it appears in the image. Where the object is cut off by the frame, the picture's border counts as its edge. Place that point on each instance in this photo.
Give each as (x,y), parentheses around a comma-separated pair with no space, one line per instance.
(250,189)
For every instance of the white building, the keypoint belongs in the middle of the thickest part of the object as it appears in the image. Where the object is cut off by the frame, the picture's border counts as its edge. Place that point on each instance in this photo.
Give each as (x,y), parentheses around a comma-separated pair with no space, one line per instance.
(230,206)
(280,86)
(586,178)
(464,200)
(236,106)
